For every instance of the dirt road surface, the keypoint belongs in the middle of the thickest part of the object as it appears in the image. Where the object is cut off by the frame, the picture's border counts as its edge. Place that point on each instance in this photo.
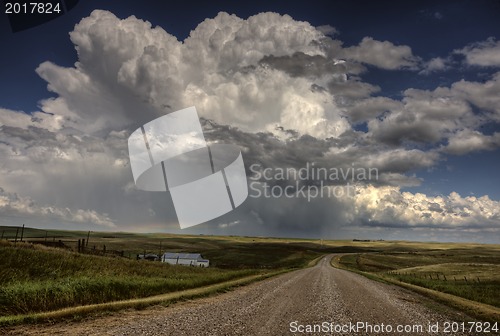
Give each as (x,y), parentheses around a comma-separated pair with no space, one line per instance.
(321,297)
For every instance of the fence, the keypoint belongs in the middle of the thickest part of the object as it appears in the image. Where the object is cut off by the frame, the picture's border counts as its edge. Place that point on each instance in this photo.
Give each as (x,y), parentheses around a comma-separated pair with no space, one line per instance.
(436,276)
(16,234)
(82,247)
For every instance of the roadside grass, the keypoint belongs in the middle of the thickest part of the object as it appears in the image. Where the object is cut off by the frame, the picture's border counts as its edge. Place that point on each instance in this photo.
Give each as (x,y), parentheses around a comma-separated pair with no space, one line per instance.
(386,261)
(469,273)
(41,279)
(485,291)
(76,313)
(35,279)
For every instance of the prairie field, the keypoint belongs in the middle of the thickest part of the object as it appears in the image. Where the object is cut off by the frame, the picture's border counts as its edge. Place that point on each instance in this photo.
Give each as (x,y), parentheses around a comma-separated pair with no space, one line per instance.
(35,278)
(468,271)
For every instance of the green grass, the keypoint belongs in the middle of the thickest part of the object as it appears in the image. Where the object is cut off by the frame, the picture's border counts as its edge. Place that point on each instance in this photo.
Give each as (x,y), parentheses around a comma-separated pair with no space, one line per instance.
(77,313)
(213,246)
(42,279)
(437,269)
(261,255)
(36,279)
(484,292)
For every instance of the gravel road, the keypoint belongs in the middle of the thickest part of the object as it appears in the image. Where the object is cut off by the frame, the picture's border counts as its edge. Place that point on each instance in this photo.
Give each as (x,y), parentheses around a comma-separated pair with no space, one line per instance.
(323,296)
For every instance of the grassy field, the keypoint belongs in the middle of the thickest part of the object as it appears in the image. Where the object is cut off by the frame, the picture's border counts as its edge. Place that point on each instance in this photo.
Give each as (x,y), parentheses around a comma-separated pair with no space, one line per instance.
(223,251)
(35,278)
(42,279)
(470,272)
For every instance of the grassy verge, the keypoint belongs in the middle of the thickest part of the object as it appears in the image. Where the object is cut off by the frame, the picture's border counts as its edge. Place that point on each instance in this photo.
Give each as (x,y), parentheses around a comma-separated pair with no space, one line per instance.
(6,321)
(39,283)
(485,291)
(42,279)
(442,281)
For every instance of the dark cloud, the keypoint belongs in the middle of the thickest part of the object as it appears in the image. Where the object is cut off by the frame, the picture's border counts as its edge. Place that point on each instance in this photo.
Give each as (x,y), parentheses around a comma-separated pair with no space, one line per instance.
(303,65)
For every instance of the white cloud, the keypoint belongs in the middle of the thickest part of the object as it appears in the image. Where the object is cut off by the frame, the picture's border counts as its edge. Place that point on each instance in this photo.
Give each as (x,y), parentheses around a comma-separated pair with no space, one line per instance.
(388,206)
(383,54)
(12,204)
(467,141)
(425,117)
(24,120)
(55,172)
(125,65)
(434,65)
(370,108)
(485,53)
(328,30)
(401,160)
(483,95)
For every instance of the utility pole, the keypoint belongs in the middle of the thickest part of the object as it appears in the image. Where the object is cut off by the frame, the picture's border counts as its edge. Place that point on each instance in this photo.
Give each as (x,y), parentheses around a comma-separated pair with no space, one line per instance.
(159,255)
(22,233)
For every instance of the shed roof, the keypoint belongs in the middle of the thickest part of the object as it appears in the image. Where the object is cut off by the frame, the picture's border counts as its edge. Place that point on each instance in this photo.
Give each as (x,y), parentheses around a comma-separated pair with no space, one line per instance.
(192,256)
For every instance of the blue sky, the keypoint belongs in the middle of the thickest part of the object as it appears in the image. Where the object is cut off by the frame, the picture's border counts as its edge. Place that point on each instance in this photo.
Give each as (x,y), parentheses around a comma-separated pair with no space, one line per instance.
(440,56)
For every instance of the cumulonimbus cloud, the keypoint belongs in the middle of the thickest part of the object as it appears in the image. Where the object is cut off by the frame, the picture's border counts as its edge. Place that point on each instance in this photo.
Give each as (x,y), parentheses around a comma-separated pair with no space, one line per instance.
(283,90)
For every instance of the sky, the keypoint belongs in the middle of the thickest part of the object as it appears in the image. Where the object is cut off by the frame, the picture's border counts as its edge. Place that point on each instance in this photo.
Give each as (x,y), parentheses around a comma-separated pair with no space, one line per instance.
(407,89)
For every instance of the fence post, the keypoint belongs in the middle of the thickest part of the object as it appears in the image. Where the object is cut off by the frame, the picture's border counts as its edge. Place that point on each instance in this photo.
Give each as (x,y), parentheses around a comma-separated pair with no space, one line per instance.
(465,278)
(17,232)
(159,255)
(79,242)
(22,233)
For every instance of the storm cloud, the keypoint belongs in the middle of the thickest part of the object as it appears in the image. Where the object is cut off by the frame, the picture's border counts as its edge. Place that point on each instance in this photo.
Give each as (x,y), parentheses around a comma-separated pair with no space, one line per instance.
(287,93)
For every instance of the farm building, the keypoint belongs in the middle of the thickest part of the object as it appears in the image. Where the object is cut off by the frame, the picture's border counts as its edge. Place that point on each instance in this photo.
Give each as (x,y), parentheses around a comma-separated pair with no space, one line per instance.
(188,259)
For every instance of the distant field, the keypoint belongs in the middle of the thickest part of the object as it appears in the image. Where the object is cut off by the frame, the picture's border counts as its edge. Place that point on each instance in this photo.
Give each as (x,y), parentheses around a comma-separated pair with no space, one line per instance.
(223,251)
(468,271)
